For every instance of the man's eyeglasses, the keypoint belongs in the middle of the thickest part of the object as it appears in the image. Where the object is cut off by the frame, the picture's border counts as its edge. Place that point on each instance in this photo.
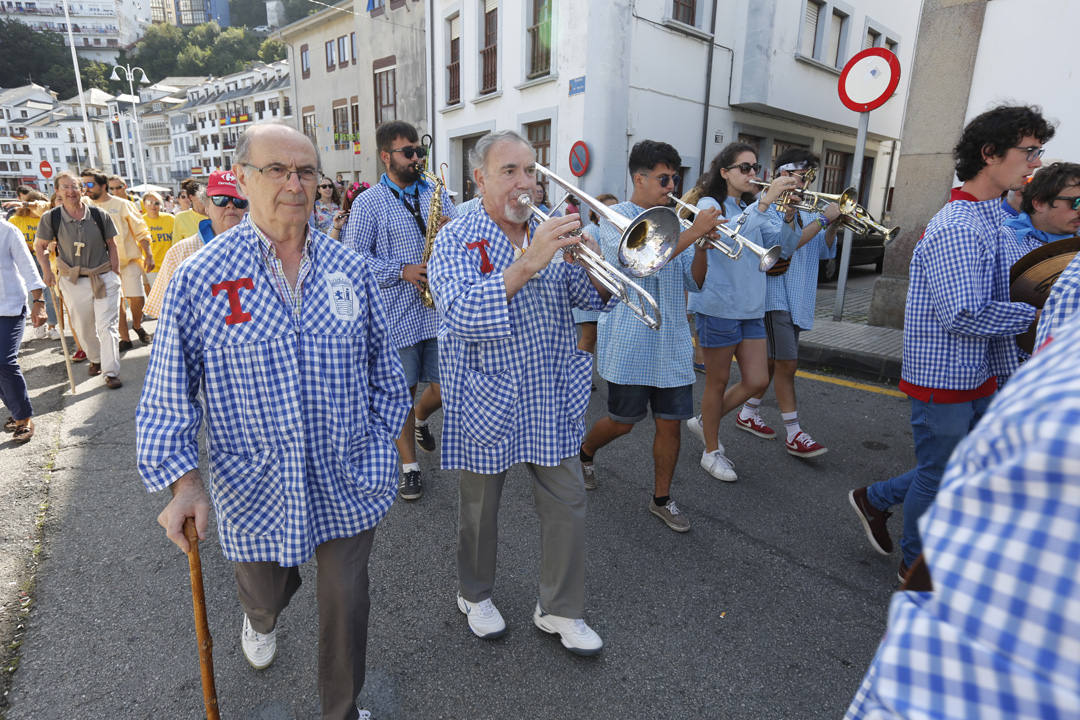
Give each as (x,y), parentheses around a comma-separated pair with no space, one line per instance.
(745,168)
(278,173)
(1074,202)
(665,179)
(1034,152)
(89,184)
(409,152)
(223,200)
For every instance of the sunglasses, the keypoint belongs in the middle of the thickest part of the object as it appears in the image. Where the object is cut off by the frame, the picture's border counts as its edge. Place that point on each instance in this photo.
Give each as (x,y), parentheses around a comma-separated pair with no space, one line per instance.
(223,200)
(89,184)
(745,168)
(326,187)
(411,152)
(665,179)
(1074,202)
(1034,152)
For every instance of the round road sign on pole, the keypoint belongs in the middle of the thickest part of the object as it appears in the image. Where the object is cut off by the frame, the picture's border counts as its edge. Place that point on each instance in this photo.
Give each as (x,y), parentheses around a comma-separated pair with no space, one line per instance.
(45,169)
(869,79)
(579,158)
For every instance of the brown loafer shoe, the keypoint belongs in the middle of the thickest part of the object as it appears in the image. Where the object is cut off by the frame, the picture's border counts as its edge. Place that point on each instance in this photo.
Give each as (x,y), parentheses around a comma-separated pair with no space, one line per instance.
(144,337)
(23,433)
(9,424)
(113,382)
(93,369)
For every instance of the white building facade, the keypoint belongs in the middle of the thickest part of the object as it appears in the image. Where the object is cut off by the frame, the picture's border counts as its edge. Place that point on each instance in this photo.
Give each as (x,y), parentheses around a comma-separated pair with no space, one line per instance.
(611,74)
(99,27)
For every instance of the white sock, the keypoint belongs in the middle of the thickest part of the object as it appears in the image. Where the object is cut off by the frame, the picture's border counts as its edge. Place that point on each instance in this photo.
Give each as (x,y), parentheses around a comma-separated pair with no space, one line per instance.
(409,467)
(791,424)
(750,409)
(421,423)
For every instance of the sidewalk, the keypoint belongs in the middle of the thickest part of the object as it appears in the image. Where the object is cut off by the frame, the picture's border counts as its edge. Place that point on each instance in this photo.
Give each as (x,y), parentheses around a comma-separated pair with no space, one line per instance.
(851,344)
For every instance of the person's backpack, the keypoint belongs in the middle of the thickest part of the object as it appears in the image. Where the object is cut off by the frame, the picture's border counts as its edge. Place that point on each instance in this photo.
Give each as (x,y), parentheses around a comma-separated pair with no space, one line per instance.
(99,220)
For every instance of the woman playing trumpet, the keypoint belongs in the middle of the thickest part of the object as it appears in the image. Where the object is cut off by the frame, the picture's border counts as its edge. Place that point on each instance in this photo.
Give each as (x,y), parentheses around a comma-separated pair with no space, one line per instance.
(730,309)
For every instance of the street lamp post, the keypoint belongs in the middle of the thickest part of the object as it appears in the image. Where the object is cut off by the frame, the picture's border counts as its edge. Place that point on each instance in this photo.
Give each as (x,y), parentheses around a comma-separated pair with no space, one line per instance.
(129,73)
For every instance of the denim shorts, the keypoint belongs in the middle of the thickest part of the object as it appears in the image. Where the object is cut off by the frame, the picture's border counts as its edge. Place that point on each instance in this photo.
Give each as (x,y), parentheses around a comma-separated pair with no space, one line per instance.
(714,332)
(783,335)
(630,403)
(421,362)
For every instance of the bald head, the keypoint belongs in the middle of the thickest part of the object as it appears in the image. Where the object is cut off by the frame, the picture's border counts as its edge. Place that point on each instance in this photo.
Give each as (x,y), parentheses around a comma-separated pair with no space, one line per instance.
(268,132)
(277,169)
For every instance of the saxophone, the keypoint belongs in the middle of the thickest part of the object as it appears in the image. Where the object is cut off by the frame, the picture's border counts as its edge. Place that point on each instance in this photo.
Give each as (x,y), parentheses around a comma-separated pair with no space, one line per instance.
(434,222)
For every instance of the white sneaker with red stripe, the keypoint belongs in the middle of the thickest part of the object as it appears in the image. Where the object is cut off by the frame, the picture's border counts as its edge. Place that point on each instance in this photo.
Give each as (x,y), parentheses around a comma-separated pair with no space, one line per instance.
(755,426)
(804,446)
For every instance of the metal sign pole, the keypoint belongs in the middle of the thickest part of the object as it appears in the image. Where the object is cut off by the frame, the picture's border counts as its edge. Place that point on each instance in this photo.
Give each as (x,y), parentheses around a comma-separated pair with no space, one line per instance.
(856,180)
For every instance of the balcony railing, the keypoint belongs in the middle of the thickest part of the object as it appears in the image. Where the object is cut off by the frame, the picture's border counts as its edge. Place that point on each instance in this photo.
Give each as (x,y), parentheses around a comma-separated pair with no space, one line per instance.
(453,94)
(190,127)
(228,145)
(192,149)
(539,50)
(489,79)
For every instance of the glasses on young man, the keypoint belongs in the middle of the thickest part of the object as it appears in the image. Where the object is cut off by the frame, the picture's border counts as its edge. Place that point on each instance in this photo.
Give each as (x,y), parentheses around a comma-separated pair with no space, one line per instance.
(1074,202)
(1034,152)
(223,200)
(745,168)
(410,152)
(278,173)
(665,179)
(89,184)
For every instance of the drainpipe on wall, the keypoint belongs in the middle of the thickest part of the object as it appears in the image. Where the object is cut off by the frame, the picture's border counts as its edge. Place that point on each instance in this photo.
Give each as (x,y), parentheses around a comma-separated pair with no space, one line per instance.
(431,79)
(708,91)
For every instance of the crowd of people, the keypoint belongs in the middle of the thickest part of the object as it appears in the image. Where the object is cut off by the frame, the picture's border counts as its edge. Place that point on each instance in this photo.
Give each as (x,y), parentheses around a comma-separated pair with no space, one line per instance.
(287,303)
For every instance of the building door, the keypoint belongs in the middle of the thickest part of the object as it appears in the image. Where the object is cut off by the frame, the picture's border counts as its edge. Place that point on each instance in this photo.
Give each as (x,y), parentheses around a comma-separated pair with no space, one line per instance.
(468,187)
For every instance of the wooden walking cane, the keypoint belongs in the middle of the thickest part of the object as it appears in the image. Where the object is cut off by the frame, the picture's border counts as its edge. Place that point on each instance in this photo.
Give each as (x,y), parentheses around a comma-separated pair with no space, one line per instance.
(63,341)
(202,628)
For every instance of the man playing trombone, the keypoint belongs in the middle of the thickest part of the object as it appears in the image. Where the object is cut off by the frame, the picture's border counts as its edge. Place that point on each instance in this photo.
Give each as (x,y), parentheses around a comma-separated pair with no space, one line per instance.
(644,367)
(515,386)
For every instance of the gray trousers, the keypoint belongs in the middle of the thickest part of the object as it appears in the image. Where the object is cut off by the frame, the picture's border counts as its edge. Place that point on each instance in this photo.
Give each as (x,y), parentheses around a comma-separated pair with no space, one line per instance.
(265,588)
(559,493)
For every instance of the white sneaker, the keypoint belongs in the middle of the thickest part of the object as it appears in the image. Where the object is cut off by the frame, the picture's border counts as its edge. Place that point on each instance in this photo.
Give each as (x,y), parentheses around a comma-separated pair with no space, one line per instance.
(364,714)
(716,464)
(577,637)
(485,620)
(259,649)
(54,334)
(40,332)
(694,425)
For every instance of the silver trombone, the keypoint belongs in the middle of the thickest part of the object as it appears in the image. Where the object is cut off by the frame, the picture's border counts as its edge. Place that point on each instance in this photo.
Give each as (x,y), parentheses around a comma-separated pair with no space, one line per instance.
(767,258)
(629,293)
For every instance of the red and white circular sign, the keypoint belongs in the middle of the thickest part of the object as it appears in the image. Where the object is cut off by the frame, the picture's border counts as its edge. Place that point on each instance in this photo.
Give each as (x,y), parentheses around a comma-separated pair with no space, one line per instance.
(869,79)
(45,168)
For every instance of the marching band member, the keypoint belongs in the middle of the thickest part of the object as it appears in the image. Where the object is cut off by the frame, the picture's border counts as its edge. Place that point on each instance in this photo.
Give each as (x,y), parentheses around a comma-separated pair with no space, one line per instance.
(790,297)
(730,309)
(951,314)
(516,387)
(1061,304)
(1046,214)
(282,332)
(586,320)
(387,226)
(644,367)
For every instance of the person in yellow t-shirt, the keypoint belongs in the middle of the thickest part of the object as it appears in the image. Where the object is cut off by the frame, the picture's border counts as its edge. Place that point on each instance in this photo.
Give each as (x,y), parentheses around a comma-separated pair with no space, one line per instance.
(161,229)
(187,221)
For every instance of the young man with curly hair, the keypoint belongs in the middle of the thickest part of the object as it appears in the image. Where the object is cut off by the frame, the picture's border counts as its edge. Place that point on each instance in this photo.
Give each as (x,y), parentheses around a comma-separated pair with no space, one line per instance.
(952,315)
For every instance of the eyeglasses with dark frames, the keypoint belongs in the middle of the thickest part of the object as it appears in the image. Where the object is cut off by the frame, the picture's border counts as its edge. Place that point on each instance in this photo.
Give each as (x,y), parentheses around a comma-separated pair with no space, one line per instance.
(412,151)
(665,178)
(745,168)
(1074,202)
(1034,152)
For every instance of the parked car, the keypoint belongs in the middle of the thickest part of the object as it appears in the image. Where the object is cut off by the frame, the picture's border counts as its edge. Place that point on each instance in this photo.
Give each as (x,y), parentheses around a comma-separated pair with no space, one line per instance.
(868,249)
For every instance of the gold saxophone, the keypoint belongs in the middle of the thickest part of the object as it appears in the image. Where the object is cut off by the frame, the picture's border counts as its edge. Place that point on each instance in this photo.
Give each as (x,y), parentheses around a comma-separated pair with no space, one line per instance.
(434,222)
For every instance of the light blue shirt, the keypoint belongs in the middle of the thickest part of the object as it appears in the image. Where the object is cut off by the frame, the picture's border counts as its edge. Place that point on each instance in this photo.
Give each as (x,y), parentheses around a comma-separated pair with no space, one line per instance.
(18,274)
(628,352)
(796,290)
(735,289)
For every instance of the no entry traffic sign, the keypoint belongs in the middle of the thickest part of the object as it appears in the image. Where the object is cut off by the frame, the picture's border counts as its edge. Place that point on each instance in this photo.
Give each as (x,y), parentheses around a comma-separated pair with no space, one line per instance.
(869,79)
(579,158)
(45,169)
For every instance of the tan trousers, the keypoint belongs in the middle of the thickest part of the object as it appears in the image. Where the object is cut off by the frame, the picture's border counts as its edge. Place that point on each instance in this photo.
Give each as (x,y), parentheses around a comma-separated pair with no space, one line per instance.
(95,319)
(265,588)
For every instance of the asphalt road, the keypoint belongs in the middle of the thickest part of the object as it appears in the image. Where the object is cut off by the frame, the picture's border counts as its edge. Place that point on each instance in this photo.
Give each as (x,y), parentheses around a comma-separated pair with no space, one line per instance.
(771,607)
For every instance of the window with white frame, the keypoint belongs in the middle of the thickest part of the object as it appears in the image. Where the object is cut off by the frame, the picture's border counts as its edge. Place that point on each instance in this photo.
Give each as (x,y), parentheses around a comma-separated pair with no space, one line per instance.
(684,11)
(538,38)
(385,95)
(453,66)
(489,51)
(824,32)
(808,41)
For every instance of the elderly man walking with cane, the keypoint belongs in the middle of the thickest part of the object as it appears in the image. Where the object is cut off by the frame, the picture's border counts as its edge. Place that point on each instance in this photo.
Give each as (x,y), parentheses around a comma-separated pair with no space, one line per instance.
(282,332)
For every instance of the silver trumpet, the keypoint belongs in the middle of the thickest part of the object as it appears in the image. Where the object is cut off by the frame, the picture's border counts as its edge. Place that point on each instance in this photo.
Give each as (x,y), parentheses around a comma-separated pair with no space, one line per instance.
(767,258)
(629,293)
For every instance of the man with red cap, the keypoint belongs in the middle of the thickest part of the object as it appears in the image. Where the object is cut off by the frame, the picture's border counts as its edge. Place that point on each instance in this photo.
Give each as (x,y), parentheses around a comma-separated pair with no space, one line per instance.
(226,206)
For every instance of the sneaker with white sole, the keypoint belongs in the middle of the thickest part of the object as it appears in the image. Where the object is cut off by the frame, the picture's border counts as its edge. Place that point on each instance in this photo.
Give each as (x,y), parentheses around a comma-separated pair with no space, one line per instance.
(485,620)
(755,426)
(716,464)
(54,334)
(259,648)
(588,472)
(671,515)
(40,333)
(576,636)
(803,446)
(694,426)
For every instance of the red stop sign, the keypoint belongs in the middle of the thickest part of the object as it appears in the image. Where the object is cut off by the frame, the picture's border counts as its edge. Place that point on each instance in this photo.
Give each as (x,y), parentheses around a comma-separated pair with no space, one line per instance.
(46,169)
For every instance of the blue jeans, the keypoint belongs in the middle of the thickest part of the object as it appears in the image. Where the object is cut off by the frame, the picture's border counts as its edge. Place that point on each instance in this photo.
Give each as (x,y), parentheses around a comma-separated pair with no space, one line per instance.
(12,382)
(937,428)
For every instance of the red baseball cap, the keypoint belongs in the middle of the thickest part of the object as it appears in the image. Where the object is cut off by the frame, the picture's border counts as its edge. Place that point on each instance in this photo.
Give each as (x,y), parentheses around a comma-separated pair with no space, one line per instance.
(223,182)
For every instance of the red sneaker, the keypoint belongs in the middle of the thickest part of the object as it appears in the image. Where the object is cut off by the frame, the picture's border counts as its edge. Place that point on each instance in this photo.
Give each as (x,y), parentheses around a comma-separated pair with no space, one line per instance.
(755,426)
(803,446)
(79,356)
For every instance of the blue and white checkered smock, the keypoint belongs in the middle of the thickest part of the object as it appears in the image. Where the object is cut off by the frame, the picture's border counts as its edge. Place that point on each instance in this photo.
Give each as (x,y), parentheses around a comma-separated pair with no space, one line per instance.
(582,316)
(301,416)
(514,385)
(951,311)
(1061,304)
(796,290)
(735,289)
(999,637)
(628,352)
(383,230)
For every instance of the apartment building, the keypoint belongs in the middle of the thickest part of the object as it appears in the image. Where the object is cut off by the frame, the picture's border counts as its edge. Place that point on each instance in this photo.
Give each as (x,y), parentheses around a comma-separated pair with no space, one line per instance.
(99,27)
(610,74)
(356,65)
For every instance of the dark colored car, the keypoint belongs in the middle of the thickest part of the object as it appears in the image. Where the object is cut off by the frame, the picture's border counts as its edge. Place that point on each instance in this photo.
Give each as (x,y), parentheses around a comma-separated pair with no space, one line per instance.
(868,249)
